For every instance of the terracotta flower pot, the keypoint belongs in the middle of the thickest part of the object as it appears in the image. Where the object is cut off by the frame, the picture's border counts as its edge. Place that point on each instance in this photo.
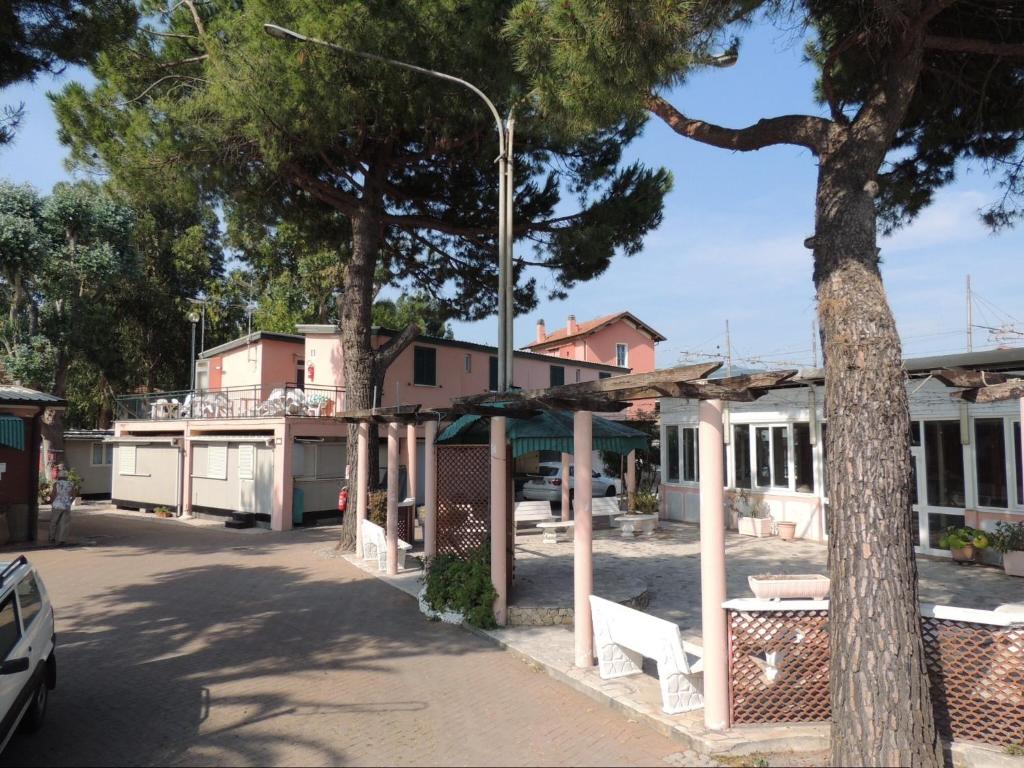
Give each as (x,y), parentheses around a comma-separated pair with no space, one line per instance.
(963,554)
(1013,563)
(787,531)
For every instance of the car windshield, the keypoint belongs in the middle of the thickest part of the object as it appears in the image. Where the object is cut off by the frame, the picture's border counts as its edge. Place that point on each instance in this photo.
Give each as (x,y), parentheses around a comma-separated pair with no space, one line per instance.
(548,471)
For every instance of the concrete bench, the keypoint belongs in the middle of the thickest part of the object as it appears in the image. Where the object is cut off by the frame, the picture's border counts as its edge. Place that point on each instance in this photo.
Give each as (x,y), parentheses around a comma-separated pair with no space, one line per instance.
(603,509)
(375,545)
(552,528)
(623,636)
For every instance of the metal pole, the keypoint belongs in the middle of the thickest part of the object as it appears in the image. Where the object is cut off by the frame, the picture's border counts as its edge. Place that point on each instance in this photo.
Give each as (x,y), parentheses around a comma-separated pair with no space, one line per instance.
(970,317)
(202,329)
(510,283)
(192,359)
(502,275)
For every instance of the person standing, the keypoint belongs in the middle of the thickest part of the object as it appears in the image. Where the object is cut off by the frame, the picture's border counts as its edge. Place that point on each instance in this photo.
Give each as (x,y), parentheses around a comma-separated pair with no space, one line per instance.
(62,497)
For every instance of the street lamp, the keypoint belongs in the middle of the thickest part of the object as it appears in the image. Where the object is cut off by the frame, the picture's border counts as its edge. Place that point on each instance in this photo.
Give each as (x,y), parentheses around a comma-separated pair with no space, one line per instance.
(505,127)
(193,317)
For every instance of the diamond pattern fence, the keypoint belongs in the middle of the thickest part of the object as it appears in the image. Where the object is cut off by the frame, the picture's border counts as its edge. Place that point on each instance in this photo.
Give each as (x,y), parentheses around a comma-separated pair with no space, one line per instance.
(463,498)
(778,673)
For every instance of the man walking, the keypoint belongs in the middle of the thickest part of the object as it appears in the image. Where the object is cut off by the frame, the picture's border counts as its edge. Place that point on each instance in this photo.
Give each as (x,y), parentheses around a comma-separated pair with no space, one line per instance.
(61,499)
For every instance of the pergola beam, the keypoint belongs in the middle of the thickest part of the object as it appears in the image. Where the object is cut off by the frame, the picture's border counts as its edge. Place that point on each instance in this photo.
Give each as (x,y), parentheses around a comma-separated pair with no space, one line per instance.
(1012,389)
(966,377)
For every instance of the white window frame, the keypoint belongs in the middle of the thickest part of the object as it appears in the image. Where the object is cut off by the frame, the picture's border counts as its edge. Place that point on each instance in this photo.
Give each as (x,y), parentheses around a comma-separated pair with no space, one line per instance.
(468,363)
(106,454)
(625,355)
(772,487)
(1013,505)
(683,429)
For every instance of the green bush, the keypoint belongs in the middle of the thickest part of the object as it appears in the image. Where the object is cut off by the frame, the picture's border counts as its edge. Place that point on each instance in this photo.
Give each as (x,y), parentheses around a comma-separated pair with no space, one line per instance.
(463,585)
(1008,537)
(646,503)
(958,538)
(377,508)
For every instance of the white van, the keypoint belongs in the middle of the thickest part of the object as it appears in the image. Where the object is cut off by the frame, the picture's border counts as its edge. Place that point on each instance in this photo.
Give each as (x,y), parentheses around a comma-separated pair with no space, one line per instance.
(28,670)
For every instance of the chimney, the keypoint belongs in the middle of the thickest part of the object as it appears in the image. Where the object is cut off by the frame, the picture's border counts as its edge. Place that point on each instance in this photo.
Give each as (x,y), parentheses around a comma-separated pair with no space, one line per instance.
(571,327)
(541,333)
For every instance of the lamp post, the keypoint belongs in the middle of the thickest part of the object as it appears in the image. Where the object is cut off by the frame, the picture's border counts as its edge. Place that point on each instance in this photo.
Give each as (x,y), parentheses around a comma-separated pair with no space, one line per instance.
(506,283)
(193,317)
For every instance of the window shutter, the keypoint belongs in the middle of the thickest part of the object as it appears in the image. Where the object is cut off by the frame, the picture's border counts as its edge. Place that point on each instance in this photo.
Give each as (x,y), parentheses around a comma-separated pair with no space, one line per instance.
(246,461)
(126,459)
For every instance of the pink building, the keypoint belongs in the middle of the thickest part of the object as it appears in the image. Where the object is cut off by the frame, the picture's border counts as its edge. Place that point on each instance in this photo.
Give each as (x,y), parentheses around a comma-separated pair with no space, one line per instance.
(620,339)
(256,441)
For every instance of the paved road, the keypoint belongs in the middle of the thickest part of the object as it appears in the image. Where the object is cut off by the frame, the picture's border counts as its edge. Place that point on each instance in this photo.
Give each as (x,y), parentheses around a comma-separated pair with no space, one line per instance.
(180,645)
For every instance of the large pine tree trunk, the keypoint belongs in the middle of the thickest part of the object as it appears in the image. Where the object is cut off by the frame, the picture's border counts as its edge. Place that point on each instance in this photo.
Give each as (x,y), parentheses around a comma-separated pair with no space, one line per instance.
(354,319)
(52,423)
(881,707)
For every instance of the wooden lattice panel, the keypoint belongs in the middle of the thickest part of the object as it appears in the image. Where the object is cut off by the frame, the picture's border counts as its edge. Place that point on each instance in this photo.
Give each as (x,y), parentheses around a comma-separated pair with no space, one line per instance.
(977,680)
(463,498)
(976,673)
(778,664)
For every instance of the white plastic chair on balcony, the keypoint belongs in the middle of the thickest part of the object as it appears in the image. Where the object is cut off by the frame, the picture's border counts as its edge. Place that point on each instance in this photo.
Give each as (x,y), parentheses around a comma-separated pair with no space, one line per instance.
(274,404)
(295,403)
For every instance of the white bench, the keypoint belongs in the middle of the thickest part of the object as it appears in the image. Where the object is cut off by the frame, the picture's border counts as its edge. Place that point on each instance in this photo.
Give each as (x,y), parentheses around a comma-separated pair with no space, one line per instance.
(532,511)
(603,508)
(375,545)
(623,636)
(552,528)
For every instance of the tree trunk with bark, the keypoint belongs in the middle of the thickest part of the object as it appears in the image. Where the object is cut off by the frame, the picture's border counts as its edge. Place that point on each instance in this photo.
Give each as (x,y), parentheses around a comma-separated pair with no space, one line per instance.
(52,422)
(881,704)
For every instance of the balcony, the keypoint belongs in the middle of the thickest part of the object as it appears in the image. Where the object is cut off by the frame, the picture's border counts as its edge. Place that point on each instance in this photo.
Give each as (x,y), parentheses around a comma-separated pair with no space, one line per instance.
(253,402)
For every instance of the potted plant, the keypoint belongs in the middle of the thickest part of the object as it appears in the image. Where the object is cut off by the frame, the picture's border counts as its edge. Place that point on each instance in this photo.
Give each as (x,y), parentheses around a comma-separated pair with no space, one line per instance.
(963,542)
(752,517)
(1008,539)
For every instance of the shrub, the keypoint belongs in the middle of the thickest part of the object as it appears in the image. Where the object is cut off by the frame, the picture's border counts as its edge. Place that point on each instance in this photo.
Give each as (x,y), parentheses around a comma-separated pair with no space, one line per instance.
(377,508)
(45,490)
(958,538)
(646,503)
(463,585)
(1008,537)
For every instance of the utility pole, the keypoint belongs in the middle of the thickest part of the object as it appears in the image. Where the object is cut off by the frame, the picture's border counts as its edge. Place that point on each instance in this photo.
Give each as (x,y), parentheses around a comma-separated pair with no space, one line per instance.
(814,344)
(728,350)
(970,318)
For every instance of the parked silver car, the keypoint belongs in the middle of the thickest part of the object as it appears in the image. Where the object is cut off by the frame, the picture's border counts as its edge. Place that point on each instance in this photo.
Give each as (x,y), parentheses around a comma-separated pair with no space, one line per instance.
(546,485)
(28,670)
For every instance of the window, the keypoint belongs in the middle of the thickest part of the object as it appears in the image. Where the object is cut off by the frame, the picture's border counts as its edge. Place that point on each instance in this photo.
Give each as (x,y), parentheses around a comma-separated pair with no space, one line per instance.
(604,375)
(424,370)
(29,599)
(126,459)
(102,454)
(1018,467)
(300,374)
(824,459)
(990,463)
(557,375)
(577,375)
(803,457)
(691,466)
(772,457)
(217,462)
(672,454)
(741,454)
(621,355)
(944,464)
(468,363)
(246,461)
(493,385)
(764,452)
(10,632)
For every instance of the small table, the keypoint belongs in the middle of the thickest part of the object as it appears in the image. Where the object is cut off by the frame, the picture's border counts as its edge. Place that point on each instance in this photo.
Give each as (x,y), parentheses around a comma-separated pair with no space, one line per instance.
(552,528)
(637,524)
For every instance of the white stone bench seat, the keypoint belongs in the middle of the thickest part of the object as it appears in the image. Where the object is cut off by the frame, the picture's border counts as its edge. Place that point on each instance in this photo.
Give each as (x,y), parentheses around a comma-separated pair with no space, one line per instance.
(375,545)
(552,528)
(624,636)
(603,509)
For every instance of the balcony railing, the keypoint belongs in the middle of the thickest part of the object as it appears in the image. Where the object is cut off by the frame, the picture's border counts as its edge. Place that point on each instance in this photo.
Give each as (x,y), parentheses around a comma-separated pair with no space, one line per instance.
(233,403)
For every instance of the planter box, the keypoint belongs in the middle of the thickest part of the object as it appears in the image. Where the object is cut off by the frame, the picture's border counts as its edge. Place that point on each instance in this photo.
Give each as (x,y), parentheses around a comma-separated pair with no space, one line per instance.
(755,526)
(1013,563)
(637,525)
(803,586)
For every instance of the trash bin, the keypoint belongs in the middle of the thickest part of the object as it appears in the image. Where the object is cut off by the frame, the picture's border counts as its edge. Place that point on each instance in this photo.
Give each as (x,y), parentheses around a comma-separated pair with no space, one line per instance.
(298,506)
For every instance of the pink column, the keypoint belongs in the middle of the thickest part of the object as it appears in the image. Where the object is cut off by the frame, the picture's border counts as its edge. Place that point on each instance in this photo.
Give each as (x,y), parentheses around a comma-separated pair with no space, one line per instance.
(566,480)
(391,533)
(631,481)
(410,460)
(362,481)
(499,519)
(712,567)
(281,510)
(430,488)
(583,553)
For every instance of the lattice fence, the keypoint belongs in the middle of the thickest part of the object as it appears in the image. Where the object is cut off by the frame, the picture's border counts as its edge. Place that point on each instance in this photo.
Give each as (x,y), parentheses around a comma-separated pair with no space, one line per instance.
(778,673)
(463,498)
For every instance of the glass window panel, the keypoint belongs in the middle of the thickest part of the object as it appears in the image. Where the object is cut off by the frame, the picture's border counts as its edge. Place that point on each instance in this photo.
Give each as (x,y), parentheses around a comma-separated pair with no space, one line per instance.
(97,453)
(29,599)
(110,453)
(780,457)
(913,479)
(1018,469)
(803,457)
(10,633)
(915,531)
(672,438)
(741,454)
(764,468)
(990,463)
(944,464)
(915,433)
(689,454)
(939,522)
(824,459)
(557,375)
(424,366)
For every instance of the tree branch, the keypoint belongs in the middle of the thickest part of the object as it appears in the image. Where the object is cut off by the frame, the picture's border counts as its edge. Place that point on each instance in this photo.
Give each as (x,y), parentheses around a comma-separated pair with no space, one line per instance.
(387,353)
(799,130)
(826,76)
(970,45)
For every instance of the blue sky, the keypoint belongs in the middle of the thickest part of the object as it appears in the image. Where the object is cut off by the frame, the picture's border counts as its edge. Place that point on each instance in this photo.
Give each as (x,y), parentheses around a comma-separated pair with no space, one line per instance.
(731,244)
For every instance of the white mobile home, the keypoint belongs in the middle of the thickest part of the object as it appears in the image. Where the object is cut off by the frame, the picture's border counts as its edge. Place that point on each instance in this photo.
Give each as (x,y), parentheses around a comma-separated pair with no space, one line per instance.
(966,456)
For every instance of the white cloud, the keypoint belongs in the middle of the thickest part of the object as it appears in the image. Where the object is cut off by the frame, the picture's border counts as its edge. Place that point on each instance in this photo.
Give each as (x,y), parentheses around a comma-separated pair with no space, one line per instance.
(953,217)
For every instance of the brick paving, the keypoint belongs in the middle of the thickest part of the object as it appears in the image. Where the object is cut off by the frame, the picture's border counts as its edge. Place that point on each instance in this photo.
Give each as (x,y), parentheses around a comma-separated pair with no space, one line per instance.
(184,645)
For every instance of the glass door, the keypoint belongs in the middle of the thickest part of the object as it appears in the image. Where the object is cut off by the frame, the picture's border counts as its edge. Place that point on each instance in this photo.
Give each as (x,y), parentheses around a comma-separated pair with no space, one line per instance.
(941,482)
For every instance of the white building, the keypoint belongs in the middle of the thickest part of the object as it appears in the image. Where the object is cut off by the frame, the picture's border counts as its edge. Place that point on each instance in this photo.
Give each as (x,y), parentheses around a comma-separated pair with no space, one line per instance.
(966,456)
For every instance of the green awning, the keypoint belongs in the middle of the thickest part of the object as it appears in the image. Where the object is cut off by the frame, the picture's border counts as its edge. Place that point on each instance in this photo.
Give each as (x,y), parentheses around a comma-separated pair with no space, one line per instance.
(12,431)
(547,431)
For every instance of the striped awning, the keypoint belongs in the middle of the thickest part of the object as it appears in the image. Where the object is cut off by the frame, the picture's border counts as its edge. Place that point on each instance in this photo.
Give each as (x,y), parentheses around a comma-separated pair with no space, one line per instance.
(12,431)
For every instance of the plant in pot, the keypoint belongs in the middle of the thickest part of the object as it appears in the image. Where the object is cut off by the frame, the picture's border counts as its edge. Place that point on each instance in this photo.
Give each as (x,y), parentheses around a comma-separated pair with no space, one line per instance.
(645,503)
(753,518)
(1008,539)
(963,542)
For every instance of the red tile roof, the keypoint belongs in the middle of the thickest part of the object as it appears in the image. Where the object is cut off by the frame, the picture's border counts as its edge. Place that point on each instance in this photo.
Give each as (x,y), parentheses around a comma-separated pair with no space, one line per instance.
(590,326)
